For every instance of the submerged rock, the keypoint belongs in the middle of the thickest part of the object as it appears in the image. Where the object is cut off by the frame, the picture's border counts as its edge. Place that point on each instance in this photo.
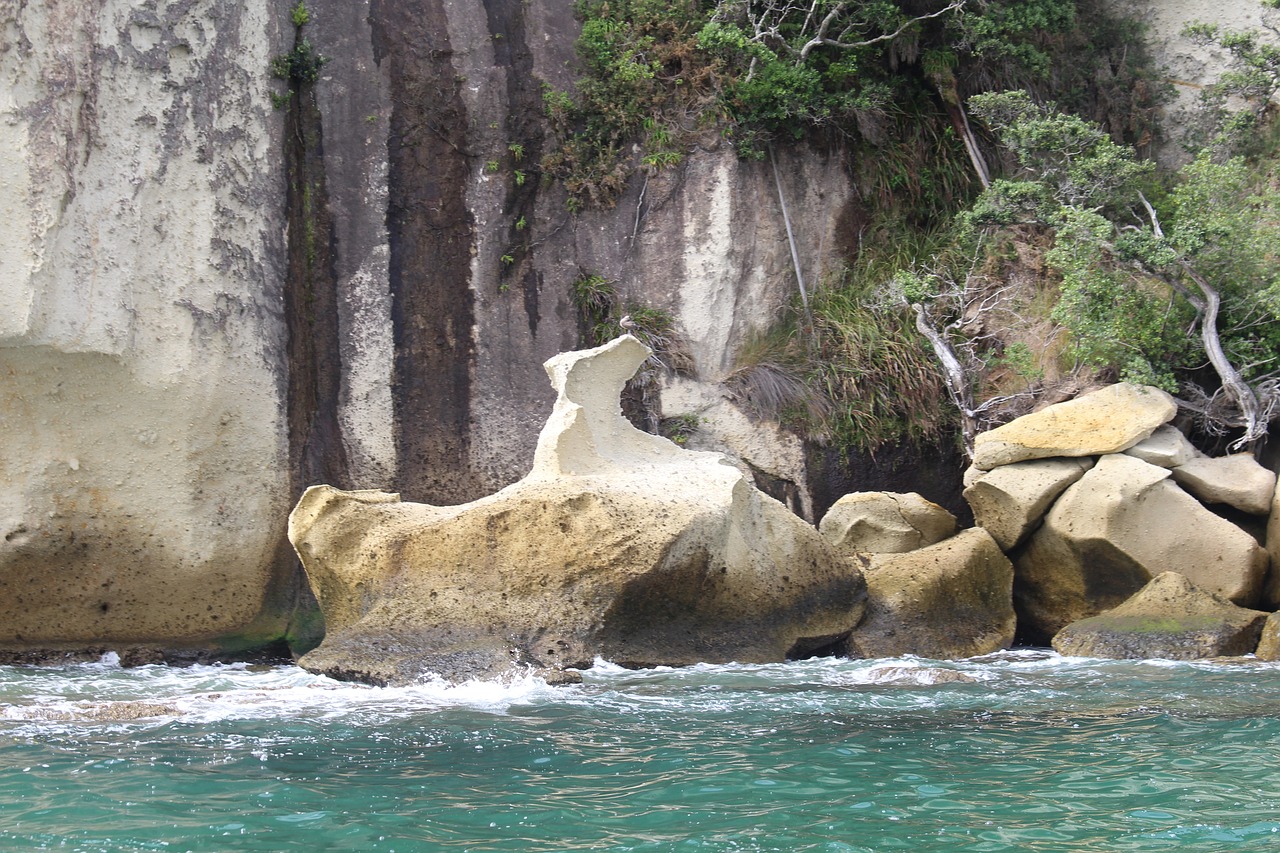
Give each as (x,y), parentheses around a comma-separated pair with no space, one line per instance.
(885,523)
(1168,618)
(618,544)
(949,600)
(1108,420)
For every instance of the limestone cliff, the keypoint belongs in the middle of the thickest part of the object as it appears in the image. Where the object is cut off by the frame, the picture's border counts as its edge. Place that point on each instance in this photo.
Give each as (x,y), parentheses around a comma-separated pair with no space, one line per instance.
(144,466)
(208,303)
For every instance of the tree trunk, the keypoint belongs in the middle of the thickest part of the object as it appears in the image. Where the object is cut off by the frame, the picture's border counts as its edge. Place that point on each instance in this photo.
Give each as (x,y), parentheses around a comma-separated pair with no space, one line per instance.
(953,373)
(1232,382)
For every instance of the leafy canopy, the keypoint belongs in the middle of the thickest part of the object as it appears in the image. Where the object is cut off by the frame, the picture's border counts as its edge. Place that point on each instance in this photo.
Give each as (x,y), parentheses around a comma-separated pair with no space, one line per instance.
(1138,278)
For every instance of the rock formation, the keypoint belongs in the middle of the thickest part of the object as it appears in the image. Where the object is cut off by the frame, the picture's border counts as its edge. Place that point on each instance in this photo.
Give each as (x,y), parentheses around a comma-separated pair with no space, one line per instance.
(1168,618)
(144,471)
(1237,481)
(885,523)
(617,544)
(1269,641)
(1009,502)
(952,599)
(208,303)
(1086,533)
(1123,523)
(1166,447)
(1109,420)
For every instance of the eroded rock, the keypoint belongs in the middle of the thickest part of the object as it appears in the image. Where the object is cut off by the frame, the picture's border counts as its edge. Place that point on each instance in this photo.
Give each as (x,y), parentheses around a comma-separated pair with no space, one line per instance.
(1108,420)
(144,472)
(949,600)
(1011,500)
(1237,481)
(1169,618)
(1167,447)
(1124,522)
(885,523)
(618,544)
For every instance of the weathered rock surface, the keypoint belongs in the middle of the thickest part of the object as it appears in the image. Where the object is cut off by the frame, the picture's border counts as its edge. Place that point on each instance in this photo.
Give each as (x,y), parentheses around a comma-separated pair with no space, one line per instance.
(1011,500)
(1108,420)
(159,401)
(1269,641)
(885,523)
(180,356)
(1272,592)
(1124,522)
(144,472)
(1237,481)
(1169,618)
(617,544)
(1189,64)
(949,600)
(774,457)
(1167,447)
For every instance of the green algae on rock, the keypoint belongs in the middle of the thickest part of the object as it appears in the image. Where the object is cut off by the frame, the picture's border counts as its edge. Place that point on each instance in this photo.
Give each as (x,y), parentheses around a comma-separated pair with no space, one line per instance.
(1169,618)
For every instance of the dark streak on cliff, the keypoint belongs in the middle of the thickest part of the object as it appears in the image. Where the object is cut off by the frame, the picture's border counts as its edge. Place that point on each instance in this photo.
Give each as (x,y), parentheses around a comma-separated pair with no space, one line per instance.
(431,233)
(511,52)
(316,453)
(316,450)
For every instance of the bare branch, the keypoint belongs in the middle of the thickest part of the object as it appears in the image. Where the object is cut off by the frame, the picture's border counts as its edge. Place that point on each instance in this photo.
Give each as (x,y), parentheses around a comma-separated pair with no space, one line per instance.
(954,375)
(820,39)
(1151,213)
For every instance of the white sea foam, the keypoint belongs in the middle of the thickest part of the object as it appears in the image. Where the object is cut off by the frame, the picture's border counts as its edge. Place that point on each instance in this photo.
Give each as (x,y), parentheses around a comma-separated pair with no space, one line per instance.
(102,692)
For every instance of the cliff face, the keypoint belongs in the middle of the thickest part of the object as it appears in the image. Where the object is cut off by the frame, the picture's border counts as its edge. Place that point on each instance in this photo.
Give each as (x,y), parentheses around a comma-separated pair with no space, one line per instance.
(454,258)
(1189,66)
(208,303)
(143,469)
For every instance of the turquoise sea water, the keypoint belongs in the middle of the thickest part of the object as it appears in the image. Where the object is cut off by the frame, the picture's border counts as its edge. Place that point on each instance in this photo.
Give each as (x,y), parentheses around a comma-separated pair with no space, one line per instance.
(1018,752)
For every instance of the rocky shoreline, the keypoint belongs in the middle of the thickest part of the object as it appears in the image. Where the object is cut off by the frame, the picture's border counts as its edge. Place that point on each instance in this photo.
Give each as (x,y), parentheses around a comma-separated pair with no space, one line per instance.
(1098,531)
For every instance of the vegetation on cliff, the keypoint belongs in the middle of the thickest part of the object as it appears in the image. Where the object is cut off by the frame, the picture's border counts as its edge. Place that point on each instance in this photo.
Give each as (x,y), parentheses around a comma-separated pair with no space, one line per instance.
(885,79)
(1153,291)
(1015,235)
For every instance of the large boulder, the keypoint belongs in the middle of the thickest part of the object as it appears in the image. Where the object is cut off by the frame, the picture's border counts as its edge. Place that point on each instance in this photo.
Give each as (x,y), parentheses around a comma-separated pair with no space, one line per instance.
(618,544)
(1011,500)
(1168,618)
(1123,523)
(949,600)
(885,523)
(1237,481)
(1108,420)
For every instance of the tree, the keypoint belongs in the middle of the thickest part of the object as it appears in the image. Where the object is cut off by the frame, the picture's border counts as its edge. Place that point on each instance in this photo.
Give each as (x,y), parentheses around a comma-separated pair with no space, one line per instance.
(1148,300)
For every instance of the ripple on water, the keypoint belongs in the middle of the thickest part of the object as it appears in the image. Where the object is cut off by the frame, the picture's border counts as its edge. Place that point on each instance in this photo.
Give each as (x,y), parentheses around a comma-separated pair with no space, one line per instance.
(1020,751)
